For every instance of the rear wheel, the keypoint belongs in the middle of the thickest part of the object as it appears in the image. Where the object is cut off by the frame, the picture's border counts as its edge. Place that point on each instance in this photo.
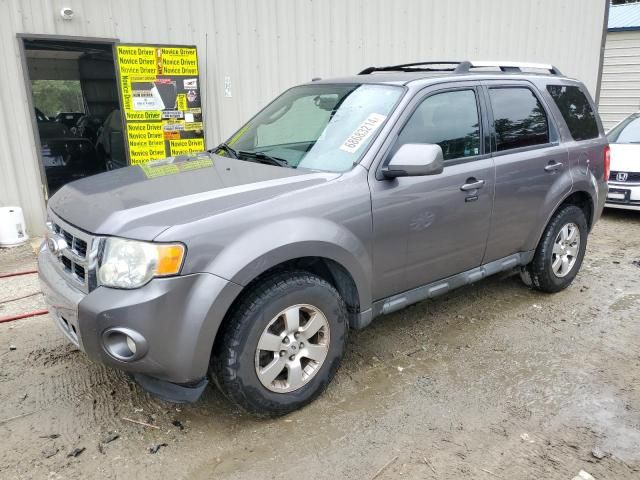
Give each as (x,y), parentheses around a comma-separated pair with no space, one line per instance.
(282,344)
(560,252)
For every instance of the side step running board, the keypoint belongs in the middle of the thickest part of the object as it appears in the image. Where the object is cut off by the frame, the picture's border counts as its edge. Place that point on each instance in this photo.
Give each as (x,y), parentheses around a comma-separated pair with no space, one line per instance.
(401,300)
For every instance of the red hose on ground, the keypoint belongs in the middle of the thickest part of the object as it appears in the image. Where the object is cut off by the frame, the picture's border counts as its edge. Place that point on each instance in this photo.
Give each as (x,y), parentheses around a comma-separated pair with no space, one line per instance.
(15,274)
(35,313)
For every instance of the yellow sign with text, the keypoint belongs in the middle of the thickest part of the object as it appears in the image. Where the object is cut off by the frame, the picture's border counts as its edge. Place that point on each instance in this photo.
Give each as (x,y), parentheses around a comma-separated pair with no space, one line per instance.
(186,146)
(146,141)
(159,85)
(189,126)
(179,61)
(137,60)
(182,102)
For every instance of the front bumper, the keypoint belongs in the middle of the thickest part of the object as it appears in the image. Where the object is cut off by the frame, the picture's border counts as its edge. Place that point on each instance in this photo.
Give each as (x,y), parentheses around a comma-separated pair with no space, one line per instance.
(61,298)
(175,316)
(623,195)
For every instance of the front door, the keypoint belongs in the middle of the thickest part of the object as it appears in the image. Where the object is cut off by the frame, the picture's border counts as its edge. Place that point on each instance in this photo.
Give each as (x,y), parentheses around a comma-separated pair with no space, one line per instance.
(430,227)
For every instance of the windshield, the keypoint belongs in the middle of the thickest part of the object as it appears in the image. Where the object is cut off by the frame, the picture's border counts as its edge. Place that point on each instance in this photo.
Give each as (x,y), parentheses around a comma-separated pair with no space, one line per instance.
(319,127)
(628,131)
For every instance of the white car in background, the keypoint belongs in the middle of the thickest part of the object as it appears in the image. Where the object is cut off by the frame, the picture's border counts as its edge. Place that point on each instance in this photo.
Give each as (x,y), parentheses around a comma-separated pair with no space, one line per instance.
(624,180)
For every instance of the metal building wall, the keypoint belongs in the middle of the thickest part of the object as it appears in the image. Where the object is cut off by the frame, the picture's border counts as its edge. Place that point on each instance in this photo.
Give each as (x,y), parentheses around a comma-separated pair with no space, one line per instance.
(265,46)
(620,88)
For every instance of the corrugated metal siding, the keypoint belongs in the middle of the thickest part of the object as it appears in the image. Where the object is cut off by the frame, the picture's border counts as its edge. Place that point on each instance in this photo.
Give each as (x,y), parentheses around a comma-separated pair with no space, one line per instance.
(624,16)
(266,46)
(620,87)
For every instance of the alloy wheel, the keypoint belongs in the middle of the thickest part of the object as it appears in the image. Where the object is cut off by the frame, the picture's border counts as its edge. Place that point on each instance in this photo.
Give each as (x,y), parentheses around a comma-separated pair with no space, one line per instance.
(292,348)
(565,250)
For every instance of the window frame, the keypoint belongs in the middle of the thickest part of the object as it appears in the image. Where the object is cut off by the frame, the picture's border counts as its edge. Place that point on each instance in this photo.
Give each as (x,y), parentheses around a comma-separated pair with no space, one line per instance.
(420,97)
(552,129)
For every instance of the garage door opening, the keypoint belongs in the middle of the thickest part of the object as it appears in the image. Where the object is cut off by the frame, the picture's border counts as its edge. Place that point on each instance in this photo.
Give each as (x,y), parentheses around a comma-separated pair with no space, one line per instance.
(76,109)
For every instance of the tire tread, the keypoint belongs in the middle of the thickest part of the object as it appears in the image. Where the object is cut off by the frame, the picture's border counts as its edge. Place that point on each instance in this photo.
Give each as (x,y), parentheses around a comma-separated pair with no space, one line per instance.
(538,272)
(225,359)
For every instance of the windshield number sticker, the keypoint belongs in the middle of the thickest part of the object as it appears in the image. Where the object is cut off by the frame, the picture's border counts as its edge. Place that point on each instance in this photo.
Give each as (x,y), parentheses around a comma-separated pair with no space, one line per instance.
(363,132)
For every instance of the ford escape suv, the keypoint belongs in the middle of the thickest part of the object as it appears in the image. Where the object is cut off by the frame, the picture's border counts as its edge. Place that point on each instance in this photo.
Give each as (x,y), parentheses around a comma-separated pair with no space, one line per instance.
(340,201)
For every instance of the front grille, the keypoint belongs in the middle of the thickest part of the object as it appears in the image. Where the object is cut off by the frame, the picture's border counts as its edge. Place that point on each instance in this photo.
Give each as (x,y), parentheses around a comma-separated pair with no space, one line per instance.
(69,329)
(79,271)
(623,202)
(632,177)
(76,261)
(80,247)
(76,244)
(68,264)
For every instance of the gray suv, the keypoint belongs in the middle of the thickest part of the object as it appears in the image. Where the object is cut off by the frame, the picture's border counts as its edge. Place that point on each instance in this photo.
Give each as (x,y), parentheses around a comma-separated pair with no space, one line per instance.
(340,201)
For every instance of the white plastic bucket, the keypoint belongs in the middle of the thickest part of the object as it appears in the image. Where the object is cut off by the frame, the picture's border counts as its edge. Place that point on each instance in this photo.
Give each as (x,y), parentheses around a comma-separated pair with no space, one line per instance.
(13,230)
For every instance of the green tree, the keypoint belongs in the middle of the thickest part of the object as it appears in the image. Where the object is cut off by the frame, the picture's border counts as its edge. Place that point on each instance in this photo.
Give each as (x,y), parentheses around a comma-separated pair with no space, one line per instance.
(53,96)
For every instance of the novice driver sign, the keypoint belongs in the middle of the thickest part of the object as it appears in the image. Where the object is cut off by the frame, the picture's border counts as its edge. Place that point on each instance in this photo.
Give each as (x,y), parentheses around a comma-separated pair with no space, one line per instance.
(161,101)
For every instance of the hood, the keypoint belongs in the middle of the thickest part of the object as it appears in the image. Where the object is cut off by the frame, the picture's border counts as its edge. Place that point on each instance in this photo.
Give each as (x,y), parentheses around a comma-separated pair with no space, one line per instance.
(140,202)
(625,157)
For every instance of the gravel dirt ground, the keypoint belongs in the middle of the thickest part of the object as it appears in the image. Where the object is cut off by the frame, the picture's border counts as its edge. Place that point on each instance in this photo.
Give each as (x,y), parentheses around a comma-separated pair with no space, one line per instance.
(491,381)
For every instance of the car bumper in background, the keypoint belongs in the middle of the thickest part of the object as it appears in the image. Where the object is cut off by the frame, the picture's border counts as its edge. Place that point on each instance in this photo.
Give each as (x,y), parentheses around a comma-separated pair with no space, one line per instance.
(172,321)
(623,195)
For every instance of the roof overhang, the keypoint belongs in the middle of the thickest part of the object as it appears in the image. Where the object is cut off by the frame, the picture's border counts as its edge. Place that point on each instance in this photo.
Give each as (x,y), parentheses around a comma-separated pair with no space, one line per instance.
(624,29)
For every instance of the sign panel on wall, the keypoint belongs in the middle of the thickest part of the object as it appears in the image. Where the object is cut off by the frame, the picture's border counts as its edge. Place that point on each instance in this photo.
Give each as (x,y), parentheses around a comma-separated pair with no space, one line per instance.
(160,94)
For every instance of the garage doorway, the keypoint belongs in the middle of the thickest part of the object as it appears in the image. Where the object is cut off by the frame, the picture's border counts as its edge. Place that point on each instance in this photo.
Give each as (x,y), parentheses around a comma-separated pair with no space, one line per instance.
(76,108)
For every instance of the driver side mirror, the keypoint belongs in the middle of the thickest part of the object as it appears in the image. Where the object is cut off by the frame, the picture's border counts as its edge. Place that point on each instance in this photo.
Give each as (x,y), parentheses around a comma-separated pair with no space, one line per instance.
(415,159)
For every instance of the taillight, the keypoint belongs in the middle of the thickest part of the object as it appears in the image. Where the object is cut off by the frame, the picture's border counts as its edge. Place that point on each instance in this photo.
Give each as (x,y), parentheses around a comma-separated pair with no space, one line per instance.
(607,162)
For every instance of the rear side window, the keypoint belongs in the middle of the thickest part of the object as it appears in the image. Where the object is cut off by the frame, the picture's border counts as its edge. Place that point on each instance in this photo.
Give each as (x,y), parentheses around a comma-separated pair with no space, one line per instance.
(575,110)
(519,119)
(449,119)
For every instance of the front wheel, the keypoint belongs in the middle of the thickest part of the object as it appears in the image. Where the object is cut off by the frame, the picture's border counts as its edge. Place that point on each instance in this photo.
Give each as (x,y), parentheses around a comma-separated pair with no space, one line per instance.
(560,252)
(282,344)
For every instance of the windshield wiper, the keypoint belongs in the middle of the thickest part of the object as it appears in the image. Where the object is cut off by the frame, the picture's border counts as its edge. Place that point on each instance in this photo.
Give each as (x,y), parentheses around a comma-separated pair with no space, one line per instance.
(257,156)
(264,158)
(226,148)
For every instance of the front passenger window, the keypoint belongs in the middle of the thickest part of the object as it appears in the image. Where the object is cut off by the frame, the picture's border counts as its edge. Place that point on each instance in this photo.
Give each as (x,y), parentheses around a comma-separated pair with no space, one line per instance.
(449,119)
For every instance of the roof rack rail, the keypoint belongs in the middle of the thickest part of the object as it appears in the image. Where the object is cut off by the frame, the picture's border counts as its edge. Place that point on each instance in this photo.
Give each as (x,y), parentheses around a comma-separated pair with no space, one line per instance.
(411,67)
(462,67)
(506,66)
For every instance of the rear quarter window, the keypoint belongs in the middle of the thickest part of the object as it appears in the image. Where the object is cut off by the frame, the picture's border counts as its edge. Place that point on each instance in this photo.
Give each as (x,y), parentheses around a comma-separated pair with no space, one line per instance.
(576,111)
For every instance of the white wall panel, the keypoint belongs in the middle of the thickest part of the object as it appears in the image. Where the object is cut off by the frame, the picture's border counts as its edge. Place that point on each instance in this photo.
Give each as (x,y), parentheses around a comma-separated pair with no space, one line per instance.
(266,46)
(620,89)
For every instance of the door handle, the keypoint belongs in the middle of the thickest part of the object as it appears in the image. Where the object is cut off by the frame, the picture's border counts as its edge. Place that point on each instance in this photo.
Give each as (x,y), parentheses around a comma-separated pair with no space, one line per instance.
(472,184)
(553,166)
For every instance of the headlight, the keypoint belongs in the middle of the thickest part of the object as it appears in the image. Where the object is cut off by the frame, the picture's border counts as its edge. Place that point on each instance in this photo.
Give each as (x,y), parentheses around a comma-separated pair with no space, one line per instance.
(131,263)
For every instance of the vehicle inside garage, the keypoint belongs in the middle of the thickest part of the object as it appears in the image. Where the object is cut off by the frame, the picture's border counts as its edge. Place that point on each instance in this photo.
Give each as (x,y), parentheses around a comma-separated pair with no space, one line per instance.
(76,109)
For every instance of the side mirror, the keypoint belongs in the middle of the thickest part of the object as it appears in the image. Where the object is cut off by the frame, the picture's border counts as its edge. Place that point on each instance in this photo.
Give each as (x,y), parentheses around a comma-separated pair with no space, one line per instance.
(415,159)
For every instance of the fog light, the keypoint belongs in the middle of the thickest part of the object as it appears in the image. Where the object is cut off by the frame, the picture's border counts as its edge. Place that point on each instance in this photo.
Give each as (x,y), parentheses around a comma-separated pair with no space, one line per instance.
(124,344)
(132,345)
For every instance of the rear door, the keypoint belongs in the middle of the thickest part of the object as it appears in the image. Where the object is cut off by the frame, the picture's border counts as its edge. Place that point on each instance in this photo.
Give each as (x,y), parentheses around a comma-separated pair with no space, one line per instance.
(532,173)
(430,227)
(583,134)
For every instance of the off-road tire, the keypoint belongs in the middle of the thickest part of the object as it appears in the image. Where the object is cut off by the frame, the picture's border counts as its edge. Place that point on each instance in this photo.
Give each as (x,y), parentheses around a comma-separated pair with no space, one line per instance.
(539,274)
(233,360)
